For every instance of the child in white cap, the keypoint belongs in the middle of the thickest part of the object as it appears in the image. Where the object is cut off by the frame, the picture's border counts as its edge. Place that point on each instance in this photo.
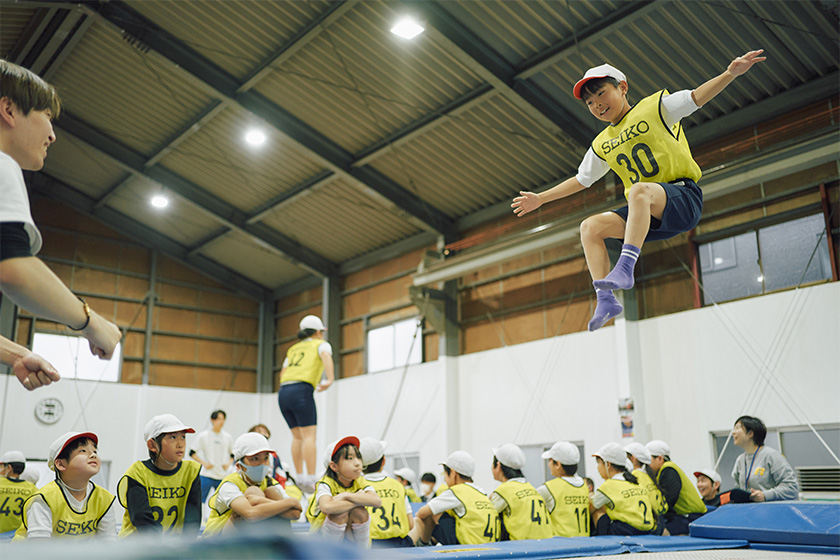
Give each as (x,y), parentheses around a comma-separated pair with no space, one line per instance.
(461,514)
(14,490)
(708,485)
(163,493)
(646,147)
(306,362)
(250,493)
(390,522)
(640,458)
(684,502)
(566,495)
(620,506)
(72,505)
(406,476)
(522,510)
(338,509)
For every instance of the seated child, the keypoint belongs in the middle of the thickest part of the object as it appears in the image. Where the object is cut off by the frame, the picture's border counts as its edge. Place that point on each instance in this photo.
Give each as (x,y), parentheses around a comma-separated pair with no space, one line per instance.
(71,505)
(250,494)
(406,476)
(427,486)
(522,510)
(640,458)
(390,522)
(462,513)
(566,495)
(13,492)
(620,506)
(162,494)
(338,508)
(684,501)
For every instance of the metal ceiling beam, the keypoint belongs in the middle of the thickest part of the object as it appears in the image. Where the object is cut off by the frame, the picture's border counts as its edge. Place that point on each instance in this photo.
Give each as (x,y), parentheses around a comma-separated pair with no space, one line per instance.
(766,109)
(234,218)
(223,84)
(54,189)
(471,50)
(558,52)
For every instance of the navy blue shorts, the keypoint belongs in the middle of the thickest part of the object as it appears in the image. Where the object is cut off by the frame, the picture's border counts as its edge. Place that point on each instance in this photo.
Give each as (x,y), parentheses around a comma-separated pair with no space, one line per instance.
(297,404)
(683,208)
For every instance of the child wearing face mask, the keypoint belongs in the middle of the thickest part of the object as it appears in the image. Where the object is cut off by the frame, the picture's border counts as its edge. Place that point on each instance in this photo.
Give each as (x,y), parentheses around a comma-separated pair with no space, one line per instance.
(338,509)
(71,506)
(427,486)
(250,493)
(162,494)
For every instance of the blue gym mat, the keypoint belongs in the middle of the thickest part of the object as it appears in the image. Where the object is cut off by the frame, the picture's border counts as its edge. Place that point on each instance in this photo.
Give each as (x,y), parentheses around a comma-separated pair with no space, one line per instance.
(788,523)
(558,547)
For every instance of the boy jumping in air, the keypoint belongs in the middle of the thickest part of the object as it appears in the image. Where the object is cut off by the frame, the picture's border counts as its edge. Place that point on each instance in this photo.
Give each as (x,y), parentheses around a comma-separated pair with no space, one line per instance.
(646,147)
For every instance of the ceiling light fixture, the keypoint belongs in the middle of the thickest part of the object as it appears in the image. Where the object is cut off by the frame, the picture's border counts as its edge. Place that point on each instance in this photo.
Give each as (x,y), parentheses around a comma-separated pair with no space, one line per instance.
(160,201)
(407,28)
(255,137)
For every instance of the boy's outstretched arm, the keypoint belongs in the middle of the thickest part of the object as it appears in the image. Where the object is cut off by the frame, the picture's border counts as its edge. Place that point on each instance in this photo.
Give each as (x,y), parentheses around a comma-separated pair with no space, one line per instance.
(529,201)
(704,93)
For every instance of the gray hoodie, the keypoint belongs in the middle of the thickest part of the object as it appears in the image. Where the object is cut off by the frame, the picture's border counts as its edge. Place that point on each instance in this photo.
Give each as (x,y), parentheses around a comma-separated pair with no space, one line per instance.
(771,473)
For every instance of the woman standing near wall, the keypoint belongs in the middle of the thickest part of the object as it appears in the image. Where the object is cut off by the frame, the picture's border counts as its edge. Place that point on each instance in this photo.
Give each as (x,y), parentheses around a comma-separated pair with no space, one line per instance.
(300,377)
(760,470)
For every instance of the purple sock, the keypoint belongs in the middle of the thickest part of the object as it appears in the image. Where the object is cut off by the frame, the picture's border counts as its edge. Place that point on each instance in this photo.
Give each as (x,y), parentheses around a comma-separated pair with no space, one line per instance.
(607,308)
(621,277)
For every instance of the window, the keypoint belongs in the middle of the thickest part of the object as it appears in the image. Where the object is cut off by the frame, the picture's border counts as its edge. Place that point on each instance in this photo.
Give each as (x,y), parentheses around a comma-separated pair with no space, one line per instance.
(394,345)
(71,356)
(764,260)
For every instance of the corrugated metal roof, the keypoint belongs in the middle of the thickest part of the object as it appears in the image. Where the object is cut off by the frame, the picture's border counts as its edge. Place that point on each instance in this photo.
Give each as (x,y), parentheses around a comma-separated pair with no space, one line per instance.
(126,93)
(217,158)
(264,266)
(357,82)
(237,36)
(340,222)
(481,157)
(15,20)
(80,166)
(457,136)
(181,220)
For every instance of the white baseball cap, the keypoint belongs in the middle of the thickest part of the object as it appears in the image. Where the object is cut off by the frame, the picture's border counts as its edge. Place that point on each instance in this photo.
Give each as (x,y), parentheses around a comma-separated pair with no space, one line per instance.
(250,444)
(613,454)
(461,462)
(639,451)
(58,445)
(564,453)
(406,474)
(372,450)
(510,455)
(658,447)
(312,322)
(602,71)
(338,444)
(12,457)
(164,424)
(711,473)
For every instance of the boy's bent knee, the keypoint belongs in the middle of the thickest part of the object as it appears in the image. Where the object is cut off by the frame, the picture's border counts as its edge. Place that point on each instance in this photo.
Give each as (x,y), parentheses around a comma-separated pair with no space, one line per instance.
(339,518)
(641,193)
(359,515)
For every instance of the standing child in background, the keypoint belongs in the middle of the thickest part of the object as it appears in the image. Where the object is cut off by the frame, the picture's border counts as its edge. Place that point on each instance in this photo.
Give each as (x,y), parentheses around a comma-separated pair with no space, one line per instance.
(522,510)
(72,505)
(462,513)
(13,492)
(620,506)
(162,494)
(338,509)
(406,477)
(646,147)
(213,449)
(391,521)
(566,495)
(300,376)
(250,493)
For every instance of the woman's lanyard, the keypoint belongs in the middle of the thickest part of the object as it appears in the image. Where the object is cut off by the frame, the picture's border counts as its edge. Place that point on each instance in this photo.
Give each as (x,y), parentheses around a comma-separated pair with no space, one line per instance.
(749,472)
